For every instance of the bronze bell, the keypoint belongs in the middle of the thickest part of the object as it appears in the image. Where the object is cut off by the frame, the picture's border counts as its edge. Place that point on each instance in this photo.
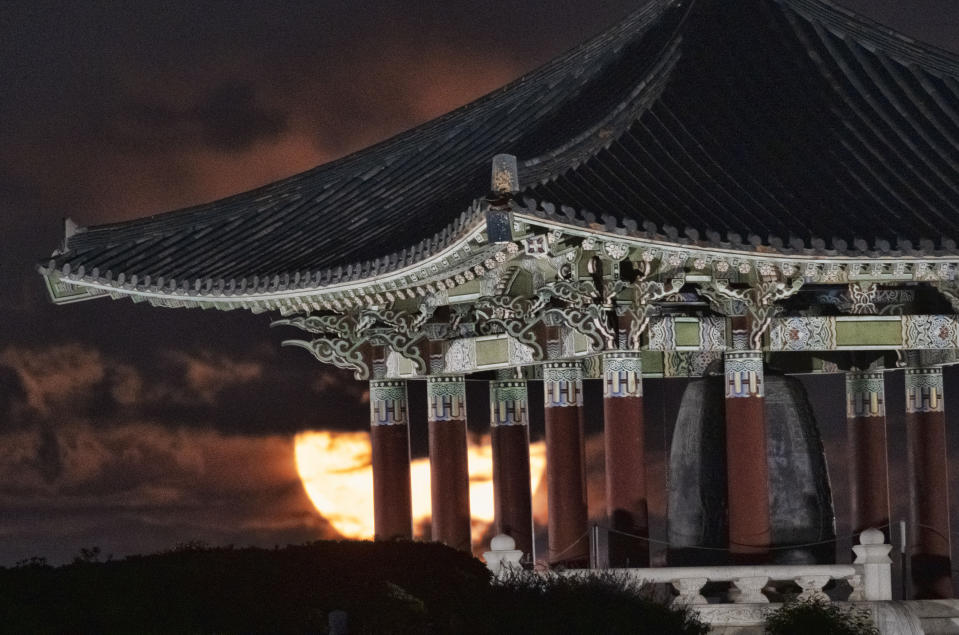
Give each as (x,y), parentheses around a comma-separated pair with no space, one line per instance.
(801,509)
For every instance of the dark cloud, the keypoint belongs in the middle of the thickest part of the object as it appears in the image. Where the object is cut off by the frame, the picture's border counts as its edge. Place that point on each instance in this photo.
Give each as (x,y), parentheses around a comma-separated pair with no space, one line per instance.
(84,485)
(123,112)
(232,120)
(229,118)
(264,390)
(12,393)
(49,461)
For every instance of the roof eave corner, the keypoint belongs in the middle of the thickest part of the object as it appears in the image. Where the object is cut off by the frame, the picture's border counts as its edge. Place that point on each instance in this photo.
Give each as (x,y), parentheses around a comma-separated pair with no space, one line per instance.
(63,291)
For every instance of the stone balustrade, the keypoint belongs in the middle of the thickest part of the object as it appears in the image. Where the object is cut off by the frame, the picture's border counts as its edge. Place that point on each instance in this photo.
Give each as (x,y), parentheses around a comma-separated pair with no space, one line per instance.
(746,605)
(869,576)
(747,582)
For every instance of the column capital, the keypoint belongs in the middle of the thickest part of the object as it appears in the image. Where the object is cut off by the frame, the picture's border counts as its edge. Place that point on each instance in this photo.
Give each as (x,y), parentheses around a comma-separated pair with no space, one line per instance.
(865,394)
(924,389)
(446,395)
(744,374)
(563,384)
(388,402)
(509,402)
(622,374)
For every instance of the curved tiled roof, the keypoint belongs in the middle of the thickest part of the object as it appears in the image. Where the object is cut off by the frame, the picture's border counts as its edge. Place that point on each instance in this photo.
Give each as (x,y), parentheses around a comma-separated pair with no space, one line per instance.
(772,124)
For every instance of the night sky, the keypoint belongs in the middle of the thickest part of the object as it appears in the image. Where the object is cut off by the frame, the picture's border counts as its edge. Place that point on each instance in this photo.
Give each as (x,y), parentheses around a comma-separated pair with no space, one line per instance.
(134,428)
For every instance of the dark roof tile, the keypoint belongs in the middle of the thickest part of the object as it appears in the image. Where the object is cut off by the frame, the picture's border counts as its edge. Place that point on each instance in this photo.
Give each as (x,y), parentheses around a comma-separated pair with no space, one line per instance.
(792,120)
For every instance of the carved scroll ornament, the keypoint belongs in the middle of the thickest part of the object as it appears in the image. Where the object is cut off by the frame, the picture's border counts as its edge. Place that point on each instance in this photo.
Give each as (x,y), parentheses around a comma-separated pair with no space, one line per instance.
(759,300)
(574,303)
(344,337)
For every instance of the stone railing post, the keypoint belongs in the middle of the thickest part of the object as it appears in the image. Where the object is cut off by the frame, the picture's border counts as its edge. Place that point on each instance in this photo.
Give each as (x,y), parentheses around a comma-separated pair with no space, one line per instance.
(690,591)
(872,554)
(750,590)
(812,586)
(503,555)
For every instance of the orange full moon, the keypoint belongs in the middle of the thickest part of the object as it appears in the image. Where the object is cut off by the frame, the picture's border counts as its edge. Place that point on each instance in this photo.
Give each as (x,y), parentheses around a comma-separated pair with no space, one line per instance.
(337,476)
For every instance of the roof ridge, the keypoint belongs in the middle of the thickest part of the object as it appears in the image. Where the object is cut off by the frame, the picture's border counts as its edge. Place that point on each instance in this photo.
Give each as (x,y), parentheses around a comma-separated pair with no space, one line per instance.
(579,149)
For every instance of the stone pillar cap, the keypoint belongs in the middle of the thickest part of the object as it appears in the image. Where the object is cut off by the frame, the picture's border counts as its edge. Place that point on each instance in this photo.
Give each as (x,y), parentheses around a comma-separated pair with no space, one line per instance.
(872,537)
(502,542)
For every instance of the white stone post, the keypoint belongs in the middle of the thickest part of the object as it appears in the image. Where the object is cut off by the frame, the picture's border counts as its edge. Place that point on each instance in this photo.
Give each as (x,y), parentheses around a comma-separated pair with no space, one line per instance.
(872,554)
(503,555)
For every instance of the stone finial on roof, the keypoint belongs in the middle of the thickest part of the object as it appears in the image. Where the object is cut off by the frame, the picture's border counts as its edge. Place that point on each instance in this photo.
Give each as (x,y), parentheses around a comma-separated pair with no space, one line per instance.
(505,182)
(70,229)
(505,174)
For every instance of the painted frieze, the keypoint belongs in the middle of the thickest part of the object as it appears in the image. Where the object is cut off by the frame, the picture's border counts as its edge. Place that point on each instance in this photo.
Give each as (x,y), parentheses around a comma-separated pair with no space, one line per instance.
(461,356)
(712,333)
(802,334)
(520,354)
(930,331)
(662,334)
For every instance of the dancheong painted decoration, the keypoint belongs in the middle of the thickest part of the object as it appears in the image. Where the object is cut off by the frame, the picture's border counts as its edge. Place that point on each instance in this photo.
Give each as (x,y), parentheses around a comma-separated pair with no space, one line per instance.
(724,191)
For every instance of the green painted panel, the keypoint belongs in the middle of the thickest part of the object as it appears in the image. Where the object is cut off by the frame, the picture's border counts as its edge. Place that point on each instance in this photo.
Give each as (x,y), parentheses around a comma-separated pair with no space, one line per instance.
(687,333)
(404,366)
(522,284)
(652,362)
(467,288)
(580,343)
(492,352)
(868,333)
(410,305)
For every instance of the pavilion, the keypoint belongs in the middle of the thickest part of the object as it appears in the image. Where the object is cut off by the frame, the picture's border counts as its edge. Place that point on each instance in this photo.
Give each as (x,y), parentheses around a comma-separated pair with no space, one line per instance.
(708,180)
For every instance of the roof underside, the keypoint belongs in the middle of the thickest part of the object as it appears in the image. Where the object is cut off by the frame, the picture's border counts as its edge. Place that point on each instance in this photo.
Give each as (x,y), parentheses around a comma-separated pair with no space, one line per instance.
(785,123)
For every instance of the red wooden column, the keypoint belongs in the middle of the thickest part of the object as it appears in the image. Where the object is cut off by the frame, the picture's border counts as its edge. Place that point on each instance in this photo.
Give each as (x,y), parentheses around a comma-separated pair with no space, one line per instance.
(866,433)
(747,472)
(449,471)
(565,460)
(625,459)
(929,483)
(509,437)
(390,441)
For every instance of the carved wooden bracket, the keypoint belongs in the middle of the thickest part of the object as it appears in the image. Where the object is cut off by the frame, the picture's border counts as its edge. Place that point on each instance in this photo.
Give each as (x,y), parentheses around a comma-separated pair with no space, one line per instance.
(346,339)
(759,301)
(641,309)
(574,303)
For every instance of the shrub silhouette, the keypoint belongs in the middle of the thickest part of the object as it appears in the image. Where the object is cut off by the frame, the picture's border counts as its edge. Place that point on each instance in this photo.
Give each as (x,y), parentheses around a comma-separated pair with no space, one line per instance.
(605,602)
(385,588)
(799,617)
